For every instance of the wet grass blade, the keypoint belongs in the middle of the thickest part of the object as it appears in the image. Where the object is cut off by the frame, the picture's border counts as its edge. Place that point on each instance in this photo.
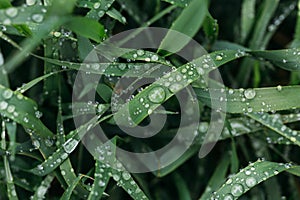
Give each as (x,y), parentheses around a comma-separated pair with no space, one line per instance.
(247,18)
(277,126)
(43,188)
(247,178)
(187,23)
(261,99)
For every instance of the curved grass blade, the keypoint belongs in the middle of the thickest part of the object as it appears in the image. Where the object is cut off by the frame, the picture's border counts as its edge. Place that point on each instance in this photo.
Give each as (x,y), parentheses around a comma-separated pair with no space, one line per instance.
(67,194)
(86,27)
(296,41)
(115,14)
(23,15)
(97,9)
(247,18)
(217,178)
(22,110)
(43,188)
(187,23)
(11,190)
(101,180)
(288,59)
(61,154)
(259,100)
(180,3)
(249,177)
(277,126)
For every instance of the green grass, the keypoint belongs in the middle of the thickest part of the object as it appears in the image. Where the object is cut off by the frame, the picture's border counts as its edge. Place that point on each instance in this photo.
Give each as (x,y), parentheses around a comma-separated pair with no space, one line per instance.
(254,44)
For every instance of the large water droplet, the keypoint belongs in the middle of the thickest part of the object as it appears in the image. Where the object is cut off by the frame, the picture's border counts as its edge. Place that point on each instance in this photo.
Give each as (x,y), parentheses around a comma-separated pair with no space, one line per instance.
(237,189)
(11,12)
(126,176)
(251,181)
(38,18)
(101,183)
(7,94)
(249,93)
(30,2)
(3,105)
(70,145)
(228,197)
(157,94)
(97,5)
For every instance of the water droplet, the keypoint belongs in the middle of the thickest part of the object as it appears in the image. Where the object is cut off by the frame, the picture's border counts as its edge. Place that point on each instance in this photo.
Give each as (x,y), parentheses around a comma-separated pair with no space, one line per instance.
(157,95)
(230,91)
(101,183)
(219,58)
(38,18)
(11,12)
(97,5)
(237,190)
(36,144)
(175,87)
(116,177)
(30,2)
(7,94)
(249,93)
(126,176)
(3,105)
(38,114)
(154,58)
(140,52)
(70,145)
(279,88)
(228,197)
(251,181)
(40,167)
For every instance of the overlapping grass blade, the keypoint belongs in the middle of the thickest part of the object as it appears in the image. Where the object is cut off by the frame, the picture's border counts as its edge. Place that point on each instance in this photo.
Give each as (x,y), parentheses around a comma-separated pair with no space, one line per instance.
(249,177)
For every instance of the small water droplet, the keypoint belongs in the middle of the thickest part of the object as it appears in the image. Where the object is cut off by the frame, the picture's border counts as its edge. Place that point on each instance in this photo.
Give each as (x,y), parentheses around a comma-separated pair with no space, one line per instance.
(249,93)
(116,177)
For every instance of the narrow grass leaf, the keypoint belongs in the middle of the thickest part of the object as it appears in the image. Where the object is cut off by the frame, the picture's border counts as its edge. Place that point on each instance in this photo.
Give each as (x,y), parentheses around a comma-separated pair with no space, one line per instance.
(247,178)
(68,192)
(43,188)
(187,23)
(275,124)
(247,18)
(87,28)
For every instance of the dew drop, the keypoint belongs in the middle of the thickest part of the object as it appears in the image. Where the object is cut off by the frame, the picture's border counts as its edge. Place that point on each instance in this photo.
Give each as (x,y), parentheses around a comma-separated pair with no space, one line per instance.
(11,12)
(279,88)
(7,94)
(219,58)
(70,145)
(157,95)
(30,2)
(38,18)
(154,58)
(237,189)
(175,87)
(3,105)
(101,183)
(116,177)
(228,197)
(97,5)
(126,176)
(251,181)
(249,93)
